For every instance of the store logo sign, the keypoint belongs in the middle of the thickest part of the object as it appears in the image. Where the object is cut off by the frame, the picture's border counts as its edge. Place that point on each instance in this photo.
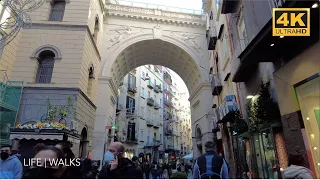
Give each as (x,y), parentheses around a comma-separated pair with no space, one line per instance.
(291,22)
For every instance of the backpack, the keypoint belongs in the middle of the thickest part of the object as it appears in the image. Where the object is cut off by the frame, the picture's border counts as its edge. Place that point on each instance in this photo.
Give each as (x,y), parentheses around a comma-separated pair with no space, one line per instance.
(210,166)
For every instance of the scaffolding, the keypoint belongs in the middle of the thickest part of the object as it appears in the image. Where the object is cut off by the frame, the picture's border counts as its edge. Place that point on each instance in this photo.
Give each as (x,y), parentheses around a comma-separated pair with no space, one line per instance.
(10,96)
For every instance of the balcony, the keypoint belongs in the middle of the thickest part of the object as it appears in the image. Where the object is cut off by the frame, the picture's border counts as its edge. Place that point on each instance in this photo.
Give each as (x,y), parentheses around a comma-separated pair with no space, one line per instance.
(132,88)
(156,89)
(168,131)
(132,140)
(149,144)
(149,122)
(228,6)
(168,116)
(156,105)
(119,108)
(157,125)
(150,85)
(159,87)
(150,102)
(228,106)
(156,143)
(167,102)
(216,85)
(211,37)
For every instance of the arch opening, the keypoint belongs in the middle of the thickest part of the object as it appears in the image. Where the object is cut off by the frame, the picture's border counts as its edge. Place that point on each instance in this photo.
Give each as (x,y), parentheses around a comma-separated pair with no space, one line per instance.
(83,143)
(156,52)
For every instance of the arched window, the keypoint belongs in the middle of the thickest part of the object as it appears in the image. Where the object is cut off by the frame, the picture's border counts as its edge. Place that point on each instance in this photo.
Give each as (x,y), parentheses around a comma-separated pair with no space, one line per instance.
(57,10)
(45,68)
(96,29)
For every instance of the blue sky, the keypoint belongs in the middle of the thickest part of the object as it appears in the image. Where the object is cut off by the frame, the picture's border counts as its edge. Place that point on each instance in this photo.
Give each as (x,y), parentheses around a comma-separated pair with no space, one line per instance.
(185,4)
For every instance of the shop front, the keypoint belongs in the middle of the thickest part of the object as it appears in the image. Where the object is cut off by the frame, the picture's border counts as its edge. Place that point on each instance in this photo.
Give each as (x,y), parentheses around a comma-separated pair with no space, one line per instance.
(297,84)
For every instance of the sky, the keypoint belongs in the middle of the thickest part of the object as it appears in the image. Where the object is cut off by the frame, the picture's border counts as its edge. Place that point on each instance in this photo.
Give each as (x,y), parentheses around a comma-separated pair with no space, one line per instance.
(185,4)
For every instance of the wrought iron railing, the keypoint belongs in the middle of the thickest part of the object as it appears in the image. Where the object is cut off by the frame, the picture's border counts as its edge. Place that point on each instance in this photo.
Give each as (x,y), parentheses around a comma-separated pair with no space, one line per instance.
(150,101)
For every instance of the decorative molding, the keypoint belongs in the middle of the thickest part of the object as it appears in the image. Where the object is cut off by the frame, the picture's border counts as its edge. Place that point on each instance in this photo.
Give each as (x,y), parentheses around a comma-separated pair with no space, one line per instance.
(154,15)
(198,90)
(123,33)
(52,48)
(157,32)
(190,40)
(36,136)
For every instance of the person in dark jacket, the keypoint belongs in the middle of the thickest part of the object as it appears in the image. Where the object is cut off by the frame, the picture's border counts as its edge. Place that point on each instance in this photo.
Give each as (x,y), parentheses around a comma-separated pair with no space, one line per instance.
(86,170)
(118,167)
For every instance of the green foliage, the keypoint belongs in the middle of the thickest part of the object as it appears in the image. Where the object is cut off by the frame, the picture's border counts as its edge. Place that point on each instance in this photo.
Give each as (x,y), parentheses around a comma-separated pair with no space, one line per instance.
(179,175)
(54,111)
(239,125)
(264,110)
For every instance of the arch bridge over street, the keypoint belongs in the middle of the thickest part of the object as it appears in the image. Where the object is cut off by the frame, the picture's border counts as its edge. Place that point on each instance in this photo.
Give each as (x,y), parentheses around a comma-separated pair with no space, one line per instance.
(135,36)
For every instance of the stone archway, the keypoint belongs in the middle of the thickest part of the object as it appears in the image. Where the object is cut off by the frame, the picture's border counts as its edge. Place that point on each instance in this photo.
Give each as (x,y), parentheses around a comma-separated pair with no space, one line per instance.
(83,143)
(129,50)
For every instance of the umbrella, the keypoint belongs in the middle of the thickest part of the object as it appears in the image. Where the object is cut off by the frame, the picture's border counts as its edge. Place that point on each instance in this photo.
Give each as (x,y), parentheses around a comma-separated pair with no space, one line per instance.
(188,157)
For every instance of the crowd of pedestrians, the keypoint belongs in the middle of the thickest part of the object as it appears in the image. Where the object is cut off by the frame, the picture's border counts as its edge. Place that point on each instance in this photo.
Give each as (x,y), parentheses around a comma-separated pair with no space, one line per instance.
(208,166)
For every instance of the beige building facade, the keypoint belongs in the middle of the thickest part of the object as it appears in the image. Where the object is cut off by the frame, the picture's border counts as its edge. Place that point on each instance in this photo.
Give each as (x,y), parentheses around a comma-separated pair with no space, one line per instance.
(83,49)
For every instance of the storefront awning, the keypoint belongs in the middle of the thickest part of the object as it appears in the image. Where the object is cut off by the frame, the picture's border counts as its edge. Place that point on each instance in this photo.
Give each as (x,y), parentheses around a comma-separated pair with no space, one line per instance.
(44,134)
(260,49)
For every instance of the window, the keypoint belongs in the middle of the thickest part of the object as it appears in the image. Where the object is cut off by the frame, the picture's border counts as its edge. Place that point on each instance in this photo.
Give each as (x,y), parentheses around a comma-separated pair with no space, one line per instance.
(142,75)
(130,105)
(149,95)
(148,136)
(57,10)
(131,81)
(96,29)
(141,135)
(131,131)
(155,136)
(142,92)
(45,68)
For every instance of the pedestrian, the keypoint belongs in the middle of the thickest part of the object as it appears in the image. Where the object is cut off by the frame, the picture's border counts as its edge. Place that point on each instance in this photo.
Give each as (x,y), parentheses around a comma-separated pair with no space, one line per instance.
(42,170)
(160,170)
(165,174)
(296,169)
(154,170)
(219,168)
(147,169)
(118,167)
(72,171)
(10,166)
(136,163)
(86,169)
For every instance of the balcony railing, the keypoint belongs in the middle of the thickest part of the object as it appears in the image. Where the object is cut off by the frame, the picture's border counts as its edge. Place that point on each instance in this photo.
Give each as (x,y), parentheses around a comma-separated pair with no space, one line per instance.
(156,105)
(156,142)
(156,89)
(150,102)
(167,102)
(149,122)
(211,36)
(150,85)
(168,131)
(149,143)
(132,88)
(131,140)
(168,116)
(216,85)
(229,105)
(159,87)
(119,108)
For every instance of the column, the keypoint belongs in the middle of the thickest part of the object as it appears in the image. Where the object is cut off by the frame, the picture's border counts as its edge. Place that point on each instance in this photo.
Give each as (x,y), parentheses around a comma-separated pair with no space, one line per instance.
(105,110)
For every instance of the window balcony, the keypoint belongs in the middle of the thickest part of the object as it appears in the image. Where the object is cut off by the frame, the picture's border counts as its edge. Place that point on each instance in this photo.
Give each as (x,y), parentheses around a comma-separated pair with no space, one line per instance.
(168,131)
(119,108)
(156,143)
(132,88)
(156,89)
(228,106)
(156,105)
(149,122)
(167,78)
(211,37)
(150,85)
(150,102)
(167,102)
(132,140)
(159,87)
(228,6)
(216,85)
(168,116)
(149,144)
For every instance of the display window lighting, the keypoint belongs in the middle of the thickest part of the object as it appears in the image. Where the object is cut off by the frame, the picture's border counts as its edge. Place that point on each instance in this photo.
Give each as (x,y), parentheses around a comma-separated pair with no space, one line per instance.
(315,5)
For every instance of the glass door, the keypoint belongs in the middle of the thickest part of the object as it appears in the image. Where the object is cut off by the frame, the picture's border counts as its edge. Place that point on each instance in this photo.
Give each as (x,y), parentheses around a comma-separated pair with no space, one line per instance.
(268,151)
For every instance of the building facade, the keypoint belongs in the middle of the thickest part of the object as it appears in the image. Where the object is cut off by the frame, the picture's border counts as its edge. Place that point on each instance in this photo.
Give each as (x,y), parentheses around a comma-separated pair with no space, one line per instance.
(141,117)
(259,79)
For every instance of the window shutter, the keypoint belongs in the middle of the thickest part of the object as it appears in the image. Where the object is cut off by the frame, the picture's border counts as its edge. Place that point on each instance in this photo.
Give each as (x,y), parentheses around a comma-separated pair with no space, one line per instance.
(134,105)
(134,81)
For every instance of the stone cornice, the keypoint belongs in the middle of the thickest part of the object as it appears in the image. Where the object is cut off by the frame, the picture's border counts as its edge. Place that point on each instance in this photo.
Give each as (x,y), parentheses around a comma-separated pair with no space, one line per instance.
(156,15)
(109,81)
(198,90)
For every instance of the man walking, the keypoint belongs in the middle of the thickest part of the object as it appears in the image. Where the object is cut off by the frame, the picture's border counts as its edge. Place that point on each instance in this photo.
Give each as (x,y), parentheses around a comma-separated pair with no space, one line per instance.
(210,165)
(118,167)
(10,166)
